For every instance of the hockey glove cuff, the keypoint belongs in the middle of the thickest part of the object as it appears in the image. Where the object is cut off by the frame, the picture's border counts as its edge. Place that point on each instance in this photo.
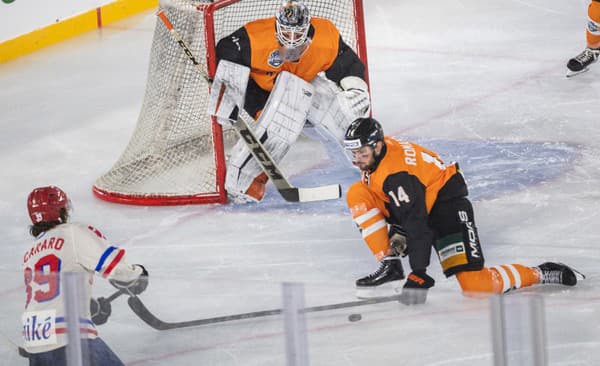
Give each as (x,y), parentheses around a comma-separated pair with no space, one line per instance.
(136,286)
(415,289)
(397,237)
(100,309)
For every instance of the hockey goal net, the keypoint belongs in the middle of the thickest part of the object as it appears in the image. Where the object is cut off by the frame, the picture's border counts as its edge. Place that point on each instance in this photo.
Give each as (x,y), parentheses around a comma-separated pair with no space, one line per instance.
(176,154)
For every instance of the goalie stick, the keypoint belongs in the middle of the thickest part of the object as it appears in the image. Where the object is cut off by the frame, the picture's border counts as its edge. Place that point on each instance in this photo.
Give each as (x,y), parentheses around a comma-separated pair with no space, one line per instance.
(138,307)
(262,156)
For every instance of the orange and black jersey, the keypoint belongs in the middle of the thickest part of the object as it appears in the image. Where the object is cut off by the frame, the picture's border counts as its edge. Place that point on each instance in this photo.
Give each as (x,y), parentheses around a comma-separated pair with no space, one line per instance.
(409,179)
(255,45)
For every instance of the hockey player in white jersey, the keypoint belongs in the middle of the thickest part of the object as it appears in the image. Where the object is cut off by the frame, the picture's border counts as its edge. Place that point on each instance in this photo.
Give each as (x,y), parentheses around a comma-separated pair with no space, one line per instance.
(60,247)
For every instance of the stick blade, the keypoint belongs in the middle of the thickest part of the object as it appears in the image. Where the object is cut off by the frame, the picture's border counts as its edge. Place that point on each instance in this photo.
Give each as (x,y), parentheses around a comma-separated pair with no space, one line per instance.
(323,193)
(143,313)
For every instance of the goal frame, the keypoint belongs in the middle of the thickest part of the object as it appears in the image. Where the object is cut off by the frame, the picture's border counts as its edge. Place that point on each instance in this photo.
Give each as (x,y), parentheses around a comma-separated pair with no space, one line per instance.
(220,195)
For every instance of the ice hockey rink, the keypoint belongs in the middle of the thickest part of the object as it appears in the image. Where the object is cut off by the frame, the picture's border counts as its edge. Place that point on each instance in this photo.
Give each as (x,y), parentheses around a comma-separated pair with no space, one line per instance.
(481,82)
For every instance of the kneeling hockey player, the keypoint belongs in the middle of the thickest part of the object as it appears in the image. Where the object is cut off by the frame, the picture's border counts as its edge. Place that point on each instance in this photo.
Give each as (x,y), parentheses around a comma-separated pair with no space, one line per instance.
(424,202)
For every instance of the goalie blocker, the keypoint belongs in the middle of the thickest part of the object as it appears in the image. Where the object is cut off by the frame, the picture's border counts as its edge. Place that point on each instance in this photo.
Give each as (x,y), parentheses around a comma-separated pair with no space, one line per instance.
(291,103)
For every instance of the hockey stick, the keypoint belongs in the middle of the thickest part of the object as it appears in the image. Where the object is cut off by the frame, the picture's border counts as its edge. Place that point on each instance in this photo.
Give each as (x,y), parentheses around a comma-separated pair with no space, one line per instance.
(116,294)
(138,307)
(262,156)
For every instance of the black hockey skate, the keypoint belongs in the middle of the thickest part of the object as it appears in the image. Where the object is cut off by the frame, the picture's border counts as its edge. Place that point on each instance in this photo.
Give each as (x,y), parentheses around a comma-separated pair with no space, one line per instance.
(580,63)
(383,281)
(558,273)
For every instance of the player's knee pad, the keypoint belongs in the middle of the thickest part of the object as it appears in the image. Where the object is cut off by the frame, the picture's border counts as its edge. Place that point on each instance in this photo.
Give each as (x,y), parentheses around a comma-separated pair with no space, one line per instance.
(457,242)
(278,127)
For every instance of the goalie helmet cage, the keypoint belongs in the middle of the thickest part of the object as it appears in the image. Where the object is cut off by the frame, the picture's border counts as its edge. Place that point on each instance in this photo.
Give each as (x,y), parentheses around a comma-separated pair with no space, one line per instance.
(176,154)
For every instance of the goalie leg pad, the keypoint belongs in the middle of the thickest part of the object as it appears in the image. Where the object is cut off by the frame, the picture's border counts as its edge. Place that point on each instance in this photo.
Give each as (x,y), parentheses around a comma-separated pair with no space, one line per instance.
(228,91)
(278,127)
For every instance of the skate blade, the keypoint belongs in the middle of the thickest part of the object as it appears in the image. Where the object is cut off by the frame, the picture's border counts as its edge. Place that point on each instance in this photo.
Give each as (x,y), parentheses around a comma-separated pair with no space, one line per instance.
(387,289)
(570,74)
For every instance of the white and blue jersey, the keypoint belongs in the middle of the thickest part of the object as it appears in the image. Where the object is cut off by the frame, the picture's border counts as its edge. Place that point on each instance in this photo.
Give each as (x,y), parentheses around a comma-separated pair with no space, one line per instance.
(65,248)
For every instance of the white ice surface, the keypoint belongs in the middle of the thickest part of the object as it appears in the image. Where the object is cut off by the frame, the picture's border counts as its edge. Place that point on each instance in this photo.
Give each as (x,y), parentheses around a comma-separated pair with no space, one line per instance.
(481,82)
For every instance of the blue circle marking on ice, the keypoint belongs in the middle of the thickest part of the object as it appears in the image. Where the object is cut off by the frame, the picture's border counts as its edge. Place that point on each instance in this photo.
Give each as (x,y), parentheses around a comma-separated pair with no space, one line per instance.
(491,168)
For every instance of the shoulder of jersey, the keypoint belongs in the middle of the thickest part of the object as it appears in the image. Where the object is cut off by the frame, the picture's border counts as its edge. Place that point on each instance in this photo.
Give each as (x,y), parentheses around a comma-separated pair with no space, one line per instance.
(322,21)
(391,164)
(87,229)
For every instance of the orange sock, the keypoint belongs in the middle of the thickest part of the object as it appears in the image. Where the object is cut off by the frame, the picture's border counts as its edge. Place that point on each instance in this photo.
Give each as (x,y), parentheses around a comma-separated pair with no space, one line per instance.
(593,36)
(258,186)
(498,279)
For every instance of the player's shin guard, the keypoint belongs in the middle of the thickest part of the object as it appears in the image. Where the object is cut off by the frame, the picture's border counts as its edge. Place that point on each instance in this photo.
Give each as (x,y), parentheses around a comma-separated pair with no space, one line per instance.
(497,279)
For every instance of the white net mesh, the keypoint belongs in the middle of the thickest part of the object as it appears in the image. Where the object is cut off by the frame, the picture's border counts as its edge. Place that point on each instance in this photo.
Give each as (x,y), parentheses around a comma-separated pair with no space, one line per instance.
(171,155)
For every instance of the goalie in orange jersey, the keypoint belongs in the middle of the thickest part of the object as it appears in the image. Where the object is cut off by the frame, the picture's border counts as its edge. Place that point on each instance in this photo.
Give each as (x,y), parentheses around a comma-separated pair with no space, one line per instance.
(590,55)
(423,201)
(331,91)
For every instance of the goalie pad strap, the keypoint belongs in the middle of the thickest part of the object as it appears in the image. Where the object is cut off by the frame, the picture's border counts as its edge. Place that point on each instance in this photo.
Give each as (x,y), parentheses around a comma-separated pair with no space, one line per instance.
(228,91)
(353,82)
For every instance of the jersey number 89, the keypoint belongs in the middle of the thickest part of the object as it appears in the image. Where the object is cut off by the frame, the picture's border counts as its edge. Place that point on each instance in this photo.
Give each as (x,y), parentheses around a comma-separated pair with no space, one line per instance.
(45,273)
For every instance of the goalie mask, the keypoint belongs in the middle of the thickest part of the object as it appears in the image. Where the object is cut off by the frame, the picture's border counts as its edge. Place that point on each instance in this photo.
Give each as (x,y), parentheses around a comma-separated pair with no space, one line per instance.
(363,132)
(48,204)
(292,22)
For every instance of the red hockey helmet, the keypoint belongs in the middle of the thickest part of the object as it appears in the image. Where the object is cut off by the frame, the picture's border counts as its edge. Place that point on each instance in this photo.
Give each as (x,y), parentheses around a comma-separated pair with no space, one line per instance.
(45,203)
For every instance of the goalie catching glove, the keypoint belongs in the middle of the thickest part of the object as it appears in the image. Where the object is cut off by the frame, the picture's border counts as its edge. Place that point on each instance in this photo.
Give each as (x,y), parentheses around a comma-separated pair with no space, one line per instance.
(415,289)
(134,287)
(354,96)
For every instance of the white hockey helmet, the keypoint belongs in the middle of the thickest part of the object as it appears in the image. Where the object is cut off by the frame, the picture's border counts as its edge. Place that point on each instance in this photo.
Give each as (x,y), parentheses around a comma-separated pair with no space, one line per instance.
(293,22)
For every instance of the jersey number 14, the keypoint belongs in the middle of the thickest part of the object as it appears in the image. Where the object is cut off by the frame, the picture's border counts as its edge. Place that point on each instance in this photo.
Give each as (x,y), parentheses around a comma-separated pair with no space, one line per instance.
(399,196)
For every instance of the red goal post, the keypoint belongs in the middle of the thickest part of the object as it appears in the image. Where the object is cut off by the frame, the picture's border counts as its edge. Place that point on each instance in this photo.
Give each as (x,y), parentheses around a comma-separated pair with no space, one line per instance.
(176,154)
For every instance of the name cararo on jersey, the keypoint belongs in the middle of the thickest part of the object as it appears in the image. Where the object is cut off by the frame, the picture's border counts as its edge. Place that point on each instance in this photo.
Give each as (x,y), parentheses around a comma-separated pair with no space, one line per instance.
(52,243)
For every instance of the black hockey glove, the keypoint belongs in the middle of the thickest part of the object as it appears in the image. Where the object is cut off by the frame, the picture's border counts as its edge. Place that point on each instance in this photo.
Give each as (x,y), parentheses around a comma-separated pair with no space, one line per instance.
(136,286)
(397,237)
(100,309)
(415,289)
